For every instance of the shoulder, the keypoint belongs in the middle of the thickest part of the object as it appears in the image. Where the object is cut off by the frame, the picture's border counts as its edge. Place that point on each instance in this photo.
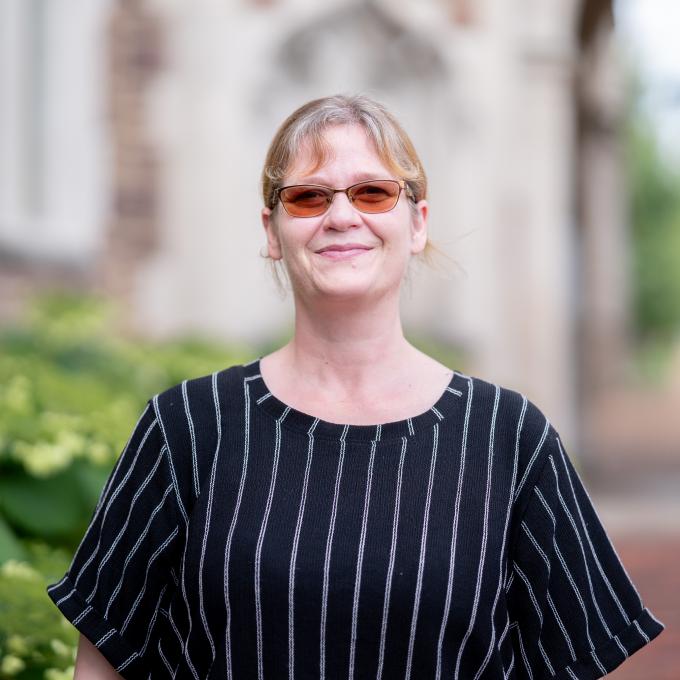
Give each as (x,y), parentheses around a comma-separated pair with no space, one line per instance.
(510,411)
(517,428)
(195,399)
(191,417)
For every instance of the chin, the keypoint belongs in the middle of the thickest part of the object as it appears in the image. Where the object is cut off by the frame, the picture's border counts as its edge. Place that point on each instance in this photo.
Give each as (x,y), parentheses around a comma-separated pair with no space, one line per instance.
(350,290)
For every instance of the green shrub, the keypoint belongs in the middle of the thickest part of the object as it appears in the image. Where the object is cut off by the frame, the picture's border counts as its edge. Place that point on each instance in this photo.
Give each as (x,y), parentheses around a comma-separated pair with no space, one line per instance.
(71,390)
(36,641)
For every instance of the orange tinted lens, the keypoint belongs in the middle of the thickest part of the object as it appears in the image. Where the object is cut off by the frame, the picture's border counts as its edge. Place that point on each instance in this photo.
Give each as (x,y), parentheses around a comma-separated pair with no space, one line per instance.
(374,197)
(305,201)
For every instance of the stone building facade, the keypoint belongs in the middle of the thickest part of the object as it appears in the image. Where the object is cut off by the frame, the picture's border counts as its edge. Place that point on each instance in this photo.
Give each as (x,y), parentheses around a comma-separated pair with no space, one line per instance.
(135,131)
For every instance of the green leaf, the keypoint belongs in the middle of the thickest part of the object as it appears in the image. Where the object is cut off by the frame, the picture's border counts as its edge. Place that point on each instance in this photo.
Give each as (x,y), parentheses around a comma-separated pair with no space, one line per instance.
(50,508)
(10,548)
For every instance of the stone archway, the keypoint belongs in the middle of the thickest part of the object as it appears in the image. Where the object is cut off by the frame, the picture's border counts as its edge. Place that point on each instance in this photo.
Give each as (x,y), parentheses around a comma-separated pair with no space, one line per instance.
(602,241)
(363,47)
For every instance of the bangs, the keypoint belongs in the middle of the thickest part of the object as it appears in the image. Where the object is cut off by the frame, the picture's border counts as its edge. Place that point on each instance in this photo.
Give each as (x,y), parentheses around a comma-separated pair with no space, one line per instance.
(305,129)
(320,152)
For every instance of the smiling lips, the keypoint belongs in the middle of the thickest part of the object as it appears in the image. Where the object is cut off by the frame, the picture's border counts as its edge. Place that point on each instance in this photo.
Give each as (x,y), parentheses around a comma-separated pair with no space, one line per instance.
(343,251)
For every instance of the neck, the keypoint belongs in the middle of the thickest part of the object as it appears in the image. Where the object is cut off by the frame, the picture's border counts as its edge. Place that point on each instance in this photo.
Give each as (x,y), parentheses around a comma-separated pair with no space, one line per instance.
(344,347)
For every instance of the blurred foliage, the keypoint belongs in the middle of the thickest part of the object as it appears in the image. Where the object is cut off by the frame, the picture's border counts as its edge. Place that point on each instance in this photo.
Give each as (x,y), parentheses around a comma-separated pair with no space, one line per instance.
(36,641)
(654,184)
(71,390)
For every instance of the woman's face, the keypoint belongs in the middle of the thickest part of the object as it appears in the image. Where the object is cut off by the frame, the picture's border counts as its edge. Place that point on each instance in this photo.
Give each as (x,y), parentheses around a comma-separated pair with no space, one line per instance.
(386,240)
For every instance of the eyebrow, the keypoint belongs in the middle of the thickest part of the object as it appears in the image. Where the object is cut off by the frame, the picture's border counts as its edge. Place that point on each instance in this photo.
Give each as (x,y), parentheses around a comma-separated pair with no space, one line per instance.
(360,177)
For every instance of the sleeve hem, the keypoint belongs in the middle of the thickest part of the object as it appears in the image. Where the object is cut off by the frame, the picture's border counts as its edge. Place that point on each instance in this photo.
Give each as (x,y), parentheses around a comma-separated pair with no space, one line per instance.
(99,631)
(615,651)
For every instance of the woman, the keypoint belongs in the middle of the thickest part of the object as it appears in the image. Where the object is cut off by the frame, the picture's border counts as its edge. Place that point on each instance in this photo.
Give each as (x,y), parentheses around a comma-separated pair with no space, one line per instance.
(347,506)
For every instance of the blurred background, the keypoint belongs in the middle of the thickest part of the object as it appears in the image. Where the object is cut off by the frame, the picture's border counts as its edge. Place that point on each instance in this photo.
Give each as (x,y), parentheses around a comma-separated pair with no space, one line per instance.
(132,135)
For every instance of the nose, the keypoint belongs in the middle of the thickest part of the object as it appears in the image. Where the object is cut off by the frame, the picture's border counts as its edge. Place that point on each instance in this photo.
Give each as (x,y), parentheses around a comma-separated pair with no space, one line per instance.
(341,214)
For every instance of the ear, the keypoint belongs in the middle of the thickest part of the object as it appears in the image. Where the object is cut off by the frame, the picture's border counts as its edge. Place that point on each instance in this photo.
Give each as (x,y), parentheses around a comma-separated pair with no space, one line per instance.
(419,227)
(273,244)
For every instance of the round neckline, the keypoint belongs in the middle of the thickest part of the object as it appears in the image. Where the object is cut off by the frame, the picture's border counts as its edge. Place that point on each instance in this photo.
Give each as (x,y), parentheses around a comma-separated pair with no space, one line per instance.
(291,418)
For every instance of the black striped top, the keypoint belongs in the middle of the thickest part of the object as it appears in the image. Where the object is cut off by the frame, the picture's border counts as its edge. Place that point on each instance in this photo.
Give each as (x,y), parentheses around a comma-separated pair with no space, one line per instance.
(240,538)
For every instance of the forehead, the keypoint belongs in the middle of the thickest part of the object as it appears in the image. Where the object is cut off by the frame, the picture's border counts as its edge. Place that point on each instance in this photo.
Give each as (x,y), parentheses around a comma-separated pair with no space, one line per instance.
(344,149)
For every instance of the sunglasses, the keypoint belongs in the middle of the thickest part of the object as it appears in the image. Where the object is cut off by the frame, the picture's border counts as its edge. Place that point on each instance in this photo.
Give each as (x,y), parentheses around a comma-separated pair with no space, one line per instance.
(312,200)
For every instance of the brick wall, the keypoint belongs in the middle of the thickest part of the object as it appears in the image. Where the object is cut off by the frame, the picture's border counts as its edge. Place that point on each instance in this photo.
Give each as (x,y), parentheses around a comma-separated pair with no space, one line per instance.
(135,58)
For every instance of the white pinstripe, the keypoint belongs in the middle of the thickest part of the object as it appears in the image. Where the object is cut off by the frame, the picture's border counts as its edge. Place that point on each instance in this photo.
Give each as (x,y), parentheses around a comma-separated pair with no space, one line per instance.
(580,543)
(624,651)
(530,590)
(590,543)
(423,550)
(108,504)
(506,674)
(566,570)
(260,542)
(567,638)
(185,645)
(293,556)
(173,625)
(360,558)
(153,557)
(66,597)
(546,506)
(232,526)
(485,533)
(539,550)
(192,434)
(597,661)
(530,464)
(82,615)
(165,661)
(173,474)
(501,637)
(57,585)
(327,560)
(523,652)
(127,662)
(104,638)
(544,654)
(175,580)
(393,551)
(509,582)
(644,635)
(114,474)
(153,621)
(454,533)
(437,412)
(123,529)
(134,549)
(539,613)
(508,512)
(211,492)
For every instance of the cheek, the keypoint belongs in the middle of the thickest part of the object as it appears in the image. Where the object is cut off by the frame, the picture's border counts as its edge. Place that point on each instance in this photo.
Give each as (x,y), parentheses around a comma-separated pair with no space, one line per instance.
(396,236)
(295,242)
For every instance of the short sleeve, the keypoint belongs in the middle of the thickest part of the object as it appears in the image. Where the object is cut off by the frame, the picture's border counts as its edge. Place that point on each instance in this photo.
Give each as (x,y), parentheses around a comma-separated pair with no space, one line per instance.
(121,571)
(574,612)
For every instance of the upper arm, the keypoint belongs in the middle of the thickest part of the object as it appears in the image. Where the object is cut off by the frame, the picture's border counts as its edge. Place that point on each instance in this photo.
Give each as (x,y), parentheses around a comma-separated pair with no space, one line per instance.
(119,577)
(574,611)
(91,664)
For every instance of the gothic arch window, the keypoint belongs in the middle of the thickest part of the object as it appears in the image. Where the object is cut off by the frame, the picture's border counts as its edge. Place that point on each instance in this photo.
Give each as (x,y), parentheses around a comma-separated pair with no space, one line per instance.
(52,193)
(359,47)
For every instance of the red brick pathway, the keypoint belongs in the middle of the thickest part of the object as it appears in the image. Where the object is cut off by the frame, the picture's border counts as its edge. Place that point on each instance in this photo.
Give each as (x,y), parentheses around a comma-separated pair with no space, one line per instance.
(652,562)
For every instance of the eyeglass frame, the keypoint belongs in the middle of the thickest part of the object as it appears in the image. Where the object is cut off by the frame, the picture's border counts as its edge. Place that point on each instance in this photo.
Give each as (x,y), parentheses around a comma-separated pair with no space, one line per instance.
(403,186)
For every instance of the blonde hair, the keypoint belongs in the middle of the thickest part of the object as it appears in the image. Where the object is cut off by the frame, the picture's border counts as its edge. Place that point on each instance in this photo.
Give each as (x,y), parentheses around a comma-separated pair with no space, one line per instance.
(307,124)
